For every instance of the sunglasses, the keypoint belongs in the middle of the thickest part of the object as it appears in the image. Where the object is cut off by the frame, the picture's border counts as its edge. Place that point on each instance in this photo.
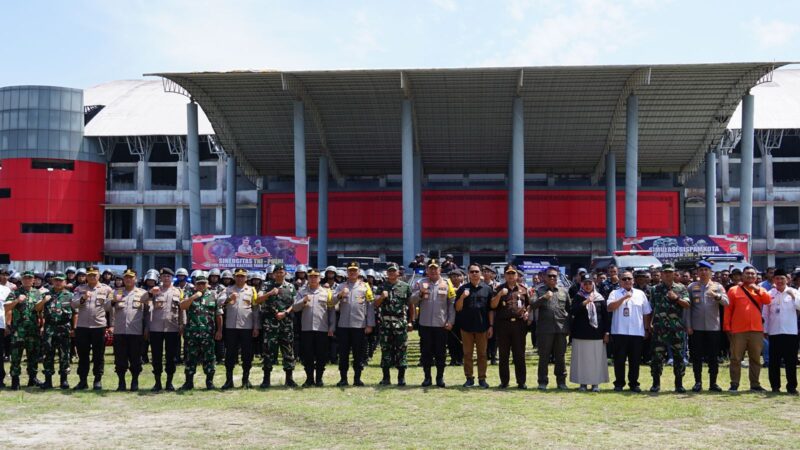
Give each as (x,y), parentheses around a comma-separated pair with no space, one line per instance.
(552,276)
(627,279)
(474,271)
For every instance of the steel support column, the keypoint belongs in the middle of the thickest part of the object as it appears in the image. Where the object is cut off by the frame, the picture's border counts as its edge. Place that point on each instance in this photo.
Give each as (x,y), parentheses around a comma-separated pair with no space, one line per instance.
(631,165)
(417,202)
(193,154)
(746,174)
(711,193)
(230,195)
(299,171)
(611,202)
(516,182)
(322,216)
(407,171)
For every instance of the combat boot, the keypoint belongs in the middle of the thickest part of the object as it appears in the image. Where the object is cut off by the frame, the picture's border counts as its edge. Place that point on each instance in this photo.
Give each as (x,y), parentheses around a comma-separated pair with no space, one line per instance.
(342,379)
(440,377)
(48,382)
(169,387)
(246,380)
(427,381)
(679,386)
(82,385)
(157,387)
(318,379)
(656,384)
(210,382)
(121,383)
(64,383)
(289,380)
(309,378)
(134,382)
(357,378)
(33,381)
(401,376)
(14,383)
(265,382)
(98,384)
(188,385)
(386,381)
(228,379)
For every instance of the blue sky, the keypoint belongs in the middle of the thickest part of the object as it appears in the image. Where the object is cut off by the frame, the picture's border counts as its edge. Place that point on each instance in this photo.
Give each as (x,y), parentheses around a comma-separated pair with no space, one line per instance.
(82,43)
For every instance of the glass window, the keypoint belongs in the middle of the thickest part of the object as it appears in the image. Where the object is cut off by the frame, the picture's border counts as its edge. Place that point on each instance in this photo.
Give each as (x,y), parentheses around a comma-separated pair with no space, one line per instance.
(6,118)
(33,100)
(12,140)
(3,140)
(75,141)
(208,177)
(77,101)
(32,140)
(54,120)
(42,139)
(14,99)
(23,119)
(14,122)
(165,224)
(54,140)
(55,99)
(23,99)
(163,178)
(33,118)
(65,116)
(2,98)
(77,121)
(66,100)
(44,99)
(63,141)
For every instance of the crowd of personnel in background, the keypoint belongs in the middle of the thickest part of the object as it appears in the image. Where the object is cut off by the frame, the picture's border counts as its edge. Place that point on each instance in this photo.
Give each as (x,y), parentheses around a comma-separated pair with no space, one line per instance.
(474,315)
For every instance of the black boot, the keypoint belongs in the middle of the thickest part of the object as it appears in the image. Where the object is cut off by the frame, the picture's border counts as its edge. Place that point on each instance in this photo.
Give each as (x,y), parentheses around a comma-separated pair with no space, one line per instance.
(401,376)
(134,382)
(318,377)
(342,379)
(713,386)
(265,383)
(289,381)
(64,384)
(157,386)
(169,386)
(33,381)
(386,381)
(679,386)
(78,387)
(121,383)
(309,378)
(188,385)
(357,378)
(246,379)
(228,379)
(427,381)
(98,384)
(210,381)
(656,384)
(440,377)
(48,382)
(14,383)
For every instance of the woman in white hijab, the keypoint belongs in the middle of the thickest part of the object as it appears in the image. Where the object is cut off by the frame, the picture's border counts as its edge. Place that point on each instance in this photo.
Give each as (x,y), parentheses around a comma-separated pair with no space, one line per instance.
(590,327)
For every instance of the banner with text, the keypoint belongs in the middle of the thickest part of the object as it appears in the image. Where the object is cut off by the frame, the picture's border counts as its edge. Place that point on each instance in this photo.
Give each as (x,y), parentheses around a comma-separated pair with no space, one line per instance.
(672,248)
(248,252)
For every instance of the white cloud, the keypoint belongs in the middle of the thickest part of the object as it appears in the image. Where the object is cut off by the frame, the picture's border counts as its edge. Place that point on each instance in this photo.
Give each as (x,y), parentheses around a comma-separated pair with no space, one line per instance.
(773,33)
(447,5)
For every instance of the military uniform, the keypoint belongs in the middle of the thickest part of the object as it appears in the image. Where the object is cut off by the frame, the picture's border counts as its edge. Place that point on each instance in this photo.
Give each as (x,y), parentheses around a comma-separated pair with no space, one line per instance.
(57,325)
(278,334)
(199,333)
(25,334)
(669,331)
(393,313)
(317,320)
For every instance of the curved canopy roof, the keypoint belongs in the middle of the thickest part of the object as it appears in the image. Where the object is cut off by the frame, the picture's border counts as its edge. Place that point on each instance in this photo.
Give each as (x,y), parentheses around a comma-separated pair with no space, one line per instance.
(462,118)
(776,105)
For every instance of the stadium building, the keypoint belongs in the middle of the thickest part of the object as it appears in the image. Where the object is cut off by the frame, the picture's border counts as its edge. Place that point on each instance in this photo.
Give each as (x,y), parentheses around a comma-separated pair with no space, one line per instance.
(475,162)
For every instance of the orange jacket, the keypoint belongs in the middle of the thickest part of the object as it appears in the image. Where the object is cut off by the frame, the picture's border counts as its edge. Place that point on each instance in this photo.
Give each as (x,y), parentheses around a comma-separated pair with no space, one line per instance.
(740,314)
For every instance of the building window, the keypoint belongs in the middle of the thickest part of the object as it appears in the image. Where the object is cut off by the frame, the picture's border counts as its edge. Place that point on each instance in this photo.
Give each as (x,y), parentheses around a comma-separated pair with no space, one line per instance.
(787,222)
(165,224)
(119,223)
(122,178)
(163,178)
(5,193)
(58,228)
(55,164)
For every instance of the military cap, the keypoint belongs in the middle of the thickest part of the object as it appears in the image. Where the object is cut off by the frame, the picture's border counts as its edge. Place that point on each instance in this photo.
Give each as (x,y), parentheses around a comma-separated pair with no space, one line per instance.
(92,270)
(279,266)
(586,277)
(511,269)
(353,266)
(59,276)
(239,272)
(200,279)
(704,263)
(129,273)
(167,271)
(433,263)
(28,274)
(392,266)
(312,271)
(667,268)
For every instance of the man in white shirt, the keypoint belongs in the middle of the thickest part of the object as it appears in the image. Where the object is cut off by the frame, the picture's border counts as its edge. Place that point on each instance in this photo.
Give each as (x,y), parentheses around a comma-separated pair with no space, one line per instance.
(629,325)
(780,324)
(4,293)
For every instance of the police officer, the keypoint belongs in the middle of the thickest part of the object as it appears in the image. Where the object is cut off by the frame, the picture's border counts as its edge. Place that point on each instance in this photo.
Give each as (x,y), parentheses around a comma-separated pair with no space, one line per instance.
(704,326)
(241,326)
(129,311)
(356,320)
(163,327)
(318,323)
(203,316)
(92,302)
(669,300)
(329,281)
(182,279)
(24,329)
(436,299)
(275,308)
(57,311)
(392,305)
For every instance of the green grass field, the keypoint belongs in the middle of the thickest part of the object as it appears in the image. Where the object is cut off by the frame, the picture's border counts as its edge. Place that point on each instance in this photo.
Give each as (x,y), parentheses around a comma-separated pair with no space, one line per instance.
(375,416)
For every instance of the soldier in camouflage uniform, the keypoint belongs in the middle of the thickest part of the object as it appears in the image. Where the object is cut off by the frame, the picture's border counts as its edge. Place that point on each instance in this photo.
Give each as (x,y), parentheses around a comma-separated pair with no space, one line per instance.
(57,311)
(24,329)
(203,316)
(392,305)
(669,299)
(277,324)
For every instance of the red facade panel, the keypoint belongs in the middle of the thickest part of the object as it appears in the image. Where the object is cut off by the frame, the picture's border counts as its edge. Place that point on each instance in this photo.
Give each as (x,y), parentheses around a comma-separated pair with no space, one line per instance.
(73,197)
(473,214)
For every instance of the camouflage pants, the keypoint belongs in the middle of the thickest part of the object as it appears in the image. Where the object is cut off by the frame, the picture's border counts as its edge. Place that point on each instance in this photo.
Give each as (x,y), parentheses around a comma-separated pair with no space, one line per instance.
(663,340)
(200,349)
(31,344)
(56,340)
(279,338)
(394,343)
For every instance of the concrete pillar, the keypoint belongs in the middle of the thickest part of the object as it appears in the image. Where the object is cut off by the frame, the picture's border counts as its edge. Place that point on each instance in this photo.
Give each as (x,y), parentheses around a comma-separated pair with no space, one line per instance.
(230,195)
(725,192)
(631,164)
(611,203)
(516,182)
(769,191)
(299,171)
(711,193)
(322,214)
(746,177)
(193,153)
(417,202)
(407,171)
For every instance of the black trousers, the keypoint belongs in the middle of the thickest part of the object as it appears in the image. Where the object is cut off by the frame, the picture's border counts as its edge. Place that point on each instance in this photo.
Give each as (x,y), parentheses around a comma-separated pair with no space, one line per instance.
(551,345)
(2,354)
(628,348)
(433,346)
(783,348)
(314,348)
(351,340)
(164,344)
(128,353)
(454,346)
(704,346)
(90,340)
(510,337)
(236,341)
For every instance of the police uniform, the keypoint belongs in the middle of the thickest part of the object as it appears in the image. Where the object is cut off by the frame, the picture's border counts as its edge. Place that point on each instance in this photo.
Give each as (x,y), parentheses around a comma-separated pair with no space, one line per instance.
(129,311)
(704,319)
(24,332)
(669,331)
(241,324)
(57,313)
(163,329)
(92,304)
(278,334)
(203,314)
(317,321)
(393,313)
(436,311)
(356,313)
